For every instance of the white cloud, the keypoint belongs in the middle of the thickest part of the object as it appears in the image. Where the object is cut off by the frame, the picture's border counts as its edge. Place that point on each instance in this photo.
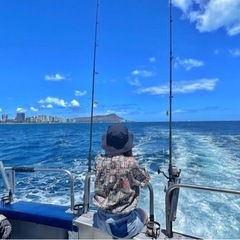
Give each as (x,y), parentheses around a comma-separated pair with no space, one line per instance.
(134,82)
(0,110)
(80,93)
(182,87)
(212,14)
(201,84)
(54,100)
(34,109)
(49,102)
(233,30)
(157,90)
(188,64)
(135,75)
(152,59)
(49,106)
(182,4)
(21,110)
(56,77)
(142,73)
(179,111)
(74,103)
(235,52)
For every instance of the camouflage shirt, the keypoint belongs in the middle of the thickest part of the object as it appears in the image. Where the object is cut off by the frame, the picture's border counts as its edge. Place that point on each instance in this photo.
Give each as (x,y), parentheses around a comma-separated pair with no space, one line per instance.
(117,183)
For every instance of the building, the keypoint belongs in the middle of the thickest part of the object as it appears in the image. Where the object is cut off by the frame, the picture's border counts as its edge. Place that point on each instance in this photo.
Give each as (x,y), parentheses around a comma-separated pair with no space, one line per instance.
(4,118)
(20,117)
(42,118)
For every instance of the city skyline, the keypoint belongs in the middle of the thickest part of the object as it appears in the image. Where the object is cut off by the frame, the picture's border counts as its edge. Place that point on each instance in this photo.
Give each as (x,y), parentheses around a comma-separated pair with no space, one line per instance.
(21,118)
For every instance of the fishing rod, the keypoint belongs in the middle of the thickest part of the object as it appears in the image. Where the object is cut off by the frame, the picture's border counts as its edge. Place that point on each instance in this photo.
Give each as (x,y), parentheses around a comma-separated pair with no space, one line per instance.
(170,91)
(173,172)
(93,86)
(86,196)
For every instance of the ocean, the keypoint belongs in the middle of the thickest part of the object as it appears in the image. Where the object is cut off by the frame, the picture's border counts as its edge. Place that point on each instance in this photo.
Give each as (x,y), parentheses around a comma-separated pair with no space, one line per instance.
(207,153)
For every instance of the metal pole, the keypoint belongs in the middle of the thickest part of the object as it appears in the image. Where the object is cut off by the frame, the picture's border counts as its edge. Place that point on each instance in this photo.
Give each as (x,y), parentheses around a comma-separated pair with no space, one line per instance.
(170,94)
(93,87)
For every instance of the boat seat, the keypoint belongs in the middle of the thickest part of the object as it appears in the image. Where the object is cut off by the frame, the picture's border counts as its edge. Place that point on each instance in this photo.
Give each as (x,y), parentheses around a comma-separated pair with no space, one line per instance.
(40,213)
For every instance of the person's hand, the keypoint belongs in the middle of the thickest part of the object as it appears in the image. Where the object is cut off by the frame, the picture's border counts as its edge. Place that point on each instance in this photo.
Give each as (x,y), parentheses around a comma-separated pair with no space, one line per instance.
(2,217)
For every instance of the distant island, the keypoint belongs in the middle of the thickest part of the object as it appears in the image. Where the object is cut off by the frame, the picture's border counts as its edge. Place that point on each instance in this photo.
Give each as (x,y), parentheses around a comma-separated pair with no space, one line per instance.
(110,118)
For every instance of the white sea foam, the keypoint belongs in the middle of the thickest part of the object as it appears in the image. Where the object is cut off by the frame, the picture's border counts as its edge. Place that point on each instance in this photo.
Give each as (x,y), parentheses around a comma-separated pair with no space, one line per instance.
(203,162)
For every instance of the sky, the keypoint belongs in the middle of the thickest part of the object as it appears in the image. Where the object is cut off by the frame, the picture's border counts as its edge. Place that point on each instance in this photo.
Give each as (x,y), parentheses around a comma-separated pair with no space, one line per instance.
(47,59)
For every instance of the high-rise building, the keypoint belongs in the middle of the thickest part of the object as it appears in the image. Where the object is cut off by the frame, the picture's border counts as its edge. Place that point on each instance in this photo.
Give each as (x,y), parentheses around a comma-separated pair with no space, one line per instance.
(4,118)
(20,117)
(42,118)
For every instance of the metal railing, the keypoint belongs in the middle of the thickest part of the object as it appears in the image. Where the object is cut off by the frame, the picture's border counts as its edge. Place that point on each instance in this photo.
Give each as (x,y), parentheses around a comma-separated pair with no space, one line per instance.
(13,170)
(169,231)
(86,197)
(151,205)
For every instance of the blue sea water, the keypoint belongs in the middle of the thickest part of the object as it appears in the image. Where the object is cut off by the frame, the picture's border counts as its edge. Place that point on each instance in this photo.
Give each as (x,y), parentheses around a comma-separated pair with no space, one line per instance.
(207,153)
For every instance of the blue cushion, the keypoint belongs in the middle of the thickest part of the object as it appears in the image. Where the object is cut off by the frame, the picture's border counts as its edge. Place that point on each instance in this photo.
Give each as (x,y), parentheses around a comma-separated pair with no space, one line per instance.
(47,214)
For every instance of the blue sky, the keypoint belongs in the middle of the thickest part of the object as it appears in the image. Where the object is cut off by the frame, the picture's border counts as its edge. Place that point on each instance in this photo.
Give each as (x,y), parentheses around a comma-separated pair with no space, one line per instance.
(46,58)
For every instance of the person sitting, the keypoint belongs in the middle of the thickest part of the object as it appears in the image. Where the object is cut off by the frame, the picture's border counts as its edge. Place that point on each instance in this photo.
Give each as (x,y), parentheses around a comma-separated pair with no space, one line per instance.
(118,179)
(5,227)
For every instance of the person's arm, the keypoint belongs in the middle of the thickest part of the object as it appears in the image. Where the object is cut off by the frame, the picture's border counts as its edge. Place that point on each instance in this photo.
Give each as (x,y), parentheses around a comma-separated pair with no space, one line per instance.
(140,175)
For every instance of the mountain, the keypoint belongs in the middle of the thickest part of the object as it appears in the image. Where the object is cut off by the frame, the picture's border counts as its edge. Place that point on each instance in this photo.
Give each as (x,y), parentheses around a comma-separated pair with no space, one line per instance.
(110,118)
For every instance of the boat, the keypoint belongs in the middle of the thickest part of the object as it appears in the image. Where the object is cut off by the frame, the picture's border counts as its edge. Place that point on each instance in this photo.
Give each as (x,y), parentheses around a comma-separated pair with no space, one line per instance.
(35,220)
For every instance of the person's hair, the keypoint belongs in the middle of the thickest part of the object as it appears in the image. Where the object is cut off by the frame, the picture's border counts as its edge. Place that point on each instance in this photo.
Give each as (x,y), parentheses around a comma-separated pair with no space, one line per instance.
(128,153)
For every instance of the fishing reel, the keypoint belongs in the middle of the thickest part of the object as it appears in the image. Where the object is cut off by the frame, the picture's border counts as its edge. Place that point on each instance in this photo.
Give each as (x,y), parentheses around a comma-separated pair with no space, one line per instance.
(7,199)
(173,178)
(153,229)
(175,173)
